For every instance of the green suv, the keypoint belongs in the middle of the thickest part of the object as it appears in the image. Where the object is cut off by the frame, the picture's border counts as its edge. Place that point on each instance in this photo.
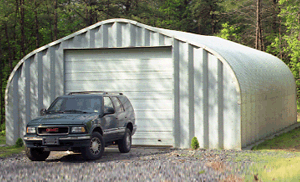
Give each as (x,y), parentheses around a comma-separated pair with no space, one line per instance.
(83,122)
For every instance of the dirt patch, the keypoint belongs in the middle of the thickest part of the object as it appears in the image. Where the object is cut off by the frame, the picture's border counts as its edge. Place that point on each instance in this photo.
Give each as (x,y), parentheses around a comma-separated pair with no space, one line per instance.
(233,178)
(218,166)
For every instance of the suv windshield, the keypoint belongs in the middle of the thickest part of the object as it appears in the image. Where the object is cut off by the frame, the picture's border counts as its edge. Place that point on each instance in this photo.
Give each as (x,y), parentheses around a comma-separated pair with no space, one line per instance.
(75,105)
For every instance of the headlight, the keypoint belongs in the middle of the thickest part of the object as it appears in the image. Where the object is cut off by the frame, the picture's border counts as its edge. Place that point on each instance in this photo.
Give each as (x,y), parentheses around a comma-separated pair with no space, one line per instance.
(30,130)
(78,129)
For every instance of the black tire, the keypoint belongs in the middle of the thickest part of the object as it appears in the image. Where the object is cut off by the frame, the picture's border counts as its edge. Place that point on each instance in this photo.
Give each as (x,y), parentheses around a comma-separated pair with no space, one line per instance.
(125,143)
(96,148)
(37,154)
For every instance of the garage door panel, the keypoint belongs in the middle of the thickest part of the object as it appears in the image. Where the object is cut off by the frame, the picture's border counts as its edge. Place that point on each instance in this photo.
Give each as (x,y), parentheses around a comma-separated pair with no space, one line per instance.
(118,85)
(153,138)
(86,76)
(159,104)
(145,76)
(162,65)
(141,53)
(143,114)
(155,124)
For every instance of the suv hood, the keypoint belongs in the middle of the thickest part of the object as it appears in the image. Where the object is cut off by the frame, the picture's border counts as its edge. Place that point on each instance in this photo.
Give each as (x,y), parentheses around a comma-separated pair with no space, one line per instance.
(63,119)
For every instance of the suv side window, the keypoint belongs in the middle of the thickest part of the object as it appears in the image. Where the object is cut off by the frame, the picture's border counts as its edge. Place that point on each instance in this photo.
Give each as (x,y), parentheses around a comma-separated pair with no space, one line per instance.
(119,107)
(107,102)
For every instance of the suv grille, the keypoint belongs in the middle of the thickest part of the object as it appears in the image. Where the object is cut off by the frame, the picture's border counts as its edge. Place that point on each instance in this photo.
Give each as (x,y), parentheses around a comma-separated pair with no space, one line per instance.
(53,130)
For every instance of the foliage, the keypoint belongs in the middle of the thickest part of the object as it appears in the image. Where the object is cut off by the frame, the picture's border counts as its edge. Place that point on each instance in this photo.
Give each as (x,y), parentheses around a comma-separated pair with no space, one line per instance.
(287,44)
(9,150)
(195,143)
(19,142)
(2,129)
(3,133)
(2,139)
(229,32)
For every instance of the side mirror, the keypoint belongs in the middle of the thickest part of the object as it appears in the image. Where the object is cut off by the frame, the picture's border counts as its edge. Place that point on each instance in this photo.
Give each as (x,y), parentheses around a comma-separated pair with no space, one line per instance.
(43,112)
(109,110)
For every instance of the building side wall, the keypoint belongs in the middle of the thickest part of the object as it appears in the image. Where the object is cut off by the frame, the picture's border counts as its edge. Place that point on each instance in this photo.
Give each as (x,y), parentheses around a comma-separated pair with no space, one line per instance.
(206,100)
(262,115)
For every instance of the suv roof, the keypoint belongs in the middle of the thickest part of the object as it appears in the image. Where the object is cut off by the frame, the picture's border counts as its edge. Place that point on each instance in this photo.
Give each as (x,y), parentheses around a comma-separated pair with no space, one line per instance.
(96,92)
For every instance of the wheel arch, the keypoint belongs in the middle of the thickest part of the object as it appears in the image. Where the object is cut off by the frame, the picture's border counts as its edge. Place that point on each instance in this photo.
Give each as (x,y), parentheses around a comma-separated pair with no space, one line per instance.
(98,129)
(130,126)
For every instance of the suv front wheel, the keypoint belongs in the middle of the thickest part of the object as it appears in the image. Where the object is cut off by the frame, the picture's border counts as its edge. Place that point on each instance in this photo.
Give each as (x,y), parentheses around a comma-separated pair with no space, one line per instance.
(125,143)
(96,148)
(36,154)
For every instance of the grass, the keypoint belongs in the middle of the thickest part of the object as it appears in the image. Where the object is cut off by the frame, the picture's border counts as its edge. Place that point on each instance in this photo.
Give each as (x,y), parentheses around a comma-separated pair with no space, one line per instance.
(277,159)
(289,141)
(8,150)
(2,139)
(273,166)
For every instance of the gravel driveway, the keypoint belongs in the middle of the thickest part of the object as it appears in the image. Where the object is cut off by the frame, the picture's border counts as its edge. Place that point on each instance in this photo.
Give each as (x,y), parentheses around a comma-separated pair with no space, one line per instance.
(141,164)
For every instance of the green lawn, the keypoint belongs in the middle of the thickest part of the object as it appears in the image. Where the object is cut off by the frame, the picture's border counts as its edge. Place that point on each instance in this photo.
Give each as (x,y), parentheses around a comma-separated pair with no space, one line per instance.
(277,159)
(8,150)
(270,165)
(289,141)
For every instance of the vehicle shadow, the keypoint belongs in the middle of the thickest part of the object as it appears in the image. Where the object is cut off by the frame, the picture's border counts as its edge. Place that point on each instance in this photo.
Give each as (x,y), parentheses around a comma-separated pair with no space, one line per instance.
(110,154)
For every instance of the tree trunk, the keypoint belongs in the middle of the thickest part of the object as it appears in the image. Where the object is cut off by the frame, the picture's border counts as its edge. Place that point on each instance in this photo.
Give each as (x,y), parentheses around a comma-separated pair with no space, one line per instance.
(55,21)
(199,30)
(275,15)
(1,77)
(37,35)
(213,25)
(258,37)
(50,21)
(9,48)
(107,13)
(22,22)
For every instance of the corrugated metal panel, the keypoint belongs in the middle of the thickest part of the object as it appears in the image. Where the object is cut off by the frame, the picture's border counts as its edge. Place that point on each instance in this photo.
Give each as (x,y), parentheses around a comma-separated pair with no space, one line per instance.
(222,90)
(144,75)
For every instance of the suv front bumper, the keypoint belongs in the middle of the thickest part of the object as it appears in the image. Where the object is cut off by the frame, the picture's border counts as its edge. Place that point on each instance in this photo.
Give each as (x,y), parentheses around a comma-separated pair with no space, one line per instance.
(65,142)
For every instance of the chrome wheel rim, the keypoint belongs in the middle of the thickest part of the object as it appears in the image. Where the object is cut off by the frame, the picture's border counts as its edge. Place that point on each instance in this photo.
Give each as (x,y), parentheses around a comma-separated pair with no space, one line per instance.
(95,146)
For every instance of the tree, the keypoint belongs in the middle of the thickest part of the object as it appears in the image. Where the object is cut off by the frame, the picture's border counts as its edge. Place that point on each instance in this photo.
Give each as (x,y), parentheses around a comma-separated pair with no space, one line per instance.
(287,44)
(206,14)
(258,37)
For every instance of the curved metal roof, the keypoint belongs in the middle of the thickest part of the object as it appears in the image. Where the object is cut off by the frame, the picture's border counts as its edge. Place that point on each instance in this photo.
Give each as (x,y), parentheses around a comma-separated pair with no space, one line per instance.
(256,71)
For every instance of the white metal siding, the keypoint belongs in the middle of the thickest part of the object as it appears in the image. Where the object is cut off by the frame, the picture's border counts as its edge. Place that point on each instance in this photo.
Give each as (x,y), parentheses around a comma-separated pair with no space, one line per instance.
(144,75)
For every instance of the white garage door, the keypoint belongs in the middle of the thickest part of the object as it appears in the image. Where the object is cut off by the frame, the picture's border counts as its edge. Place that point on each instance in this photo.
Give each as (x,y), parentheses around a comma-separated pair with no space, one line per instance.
(144,75)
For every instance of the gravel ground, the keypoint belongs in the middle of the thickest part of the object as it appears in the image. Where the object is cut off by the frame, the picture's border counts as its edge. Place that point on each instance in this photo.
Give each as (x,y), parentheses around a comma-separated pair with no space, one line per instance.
(140,164)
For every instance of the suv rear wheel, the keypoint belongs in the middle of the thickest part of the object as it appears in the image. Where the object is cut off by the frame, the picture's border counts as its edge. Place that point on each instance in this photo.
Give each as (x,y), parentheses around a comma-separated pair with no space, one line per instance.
(36,154)
(96,148)
(125,143)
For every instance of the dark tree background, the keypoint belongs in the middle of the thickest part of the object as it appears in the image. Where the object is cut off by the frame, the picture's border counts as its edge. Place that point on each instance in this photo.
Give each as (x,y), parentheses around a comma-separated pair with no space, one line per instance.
(270,25)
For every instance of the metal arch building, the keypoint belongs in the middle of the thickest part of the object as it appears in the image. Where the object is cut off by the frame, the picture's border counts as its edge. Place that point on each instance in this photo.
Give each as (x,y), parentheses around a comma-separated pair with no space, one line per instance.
(181,84)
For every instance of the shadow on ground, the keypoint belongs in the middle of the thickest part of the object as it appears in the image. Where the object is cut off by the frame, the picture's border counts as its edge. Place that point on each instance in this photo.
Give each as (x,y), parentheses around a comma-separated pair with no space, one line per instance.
(110,154)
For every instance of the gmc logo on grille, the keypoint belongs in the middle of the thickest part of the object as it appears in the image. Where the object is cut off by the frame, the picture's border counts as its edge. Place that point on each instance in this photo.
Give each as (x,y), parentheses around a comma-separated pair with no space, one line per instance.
(52,130)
